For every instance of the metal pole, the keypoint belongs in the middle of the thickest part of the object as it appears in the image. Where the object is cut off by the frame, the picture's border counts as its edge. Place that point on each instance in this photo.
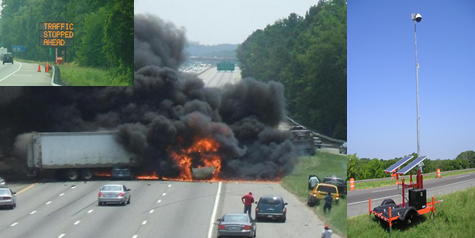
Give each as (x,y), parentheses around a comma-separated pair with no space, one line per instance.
(417,93)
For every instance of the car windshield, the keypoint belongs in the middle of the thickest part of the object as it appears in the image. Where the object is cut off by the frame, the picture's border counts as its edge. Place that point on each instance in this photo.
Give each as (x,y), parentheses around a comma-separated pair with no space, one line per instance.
(272,200)
(5,192)
(333,180)
(326,189)
(112,188)
(235,218)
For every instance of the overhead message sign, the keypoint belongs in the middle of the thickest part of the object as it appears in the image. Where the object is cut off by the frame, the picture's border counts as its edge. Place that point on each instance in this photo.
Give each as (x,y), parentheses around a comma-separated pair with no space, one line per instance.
(56,33)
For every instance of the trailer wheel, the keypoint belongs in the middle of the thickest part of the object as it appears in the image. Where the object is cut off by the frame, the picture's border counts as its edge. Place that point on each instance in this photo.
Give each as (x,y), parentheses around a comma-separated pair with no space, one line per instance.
(86,174)
(410,217)
(387,201)
(72,174)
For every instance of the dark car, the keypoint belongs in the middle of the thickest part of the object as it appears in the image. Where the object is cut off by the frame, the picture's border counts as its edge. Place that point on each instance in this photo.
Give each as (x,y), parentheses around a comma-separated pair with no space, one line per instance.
(339,182)
(121,173)
(236,224)
(7,58)
(271,207)
(343,148)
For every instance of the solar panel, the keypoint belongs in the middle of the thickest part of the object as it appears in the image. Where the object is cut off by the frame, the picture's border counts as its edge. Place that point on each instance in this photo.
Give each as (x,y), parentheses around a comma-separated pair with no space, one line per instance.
(398,164)
(412,164)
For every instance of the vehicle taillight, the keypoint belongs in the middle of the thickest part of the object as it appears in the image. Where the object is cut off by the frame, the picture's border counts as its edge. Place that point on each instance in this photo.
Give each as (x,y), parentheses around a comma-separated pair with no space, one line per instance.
(100,194)
(247,227)
(257,209)
(222,227)
(284,210)
(121,194)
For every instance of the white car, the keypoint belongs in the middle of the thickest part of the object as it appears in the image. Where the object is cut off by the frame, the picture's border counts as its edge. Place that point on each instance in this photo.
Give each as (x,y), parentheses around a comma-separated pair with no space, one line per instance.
(114,193)
(7,198)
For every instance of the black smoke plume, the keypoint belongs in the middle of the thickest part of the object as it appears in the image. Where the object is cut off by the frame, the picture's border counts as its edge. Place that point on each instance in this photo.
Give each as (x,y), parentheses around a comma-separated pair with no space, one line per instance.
(164,109)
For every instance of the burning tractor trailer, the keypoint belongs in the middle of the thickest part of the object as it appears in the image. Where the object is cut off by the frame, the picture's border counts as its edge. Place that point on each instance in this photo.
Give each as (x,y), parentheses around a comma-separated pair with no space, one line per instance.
(85,155)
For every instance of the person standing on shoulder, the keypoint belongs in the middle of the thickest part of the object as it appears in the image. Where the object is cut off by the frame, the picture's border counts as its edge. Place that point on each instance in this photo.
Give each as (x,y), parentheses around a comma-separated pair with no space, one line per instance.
(328,203)
(247,200)
(312,182)
(327,233)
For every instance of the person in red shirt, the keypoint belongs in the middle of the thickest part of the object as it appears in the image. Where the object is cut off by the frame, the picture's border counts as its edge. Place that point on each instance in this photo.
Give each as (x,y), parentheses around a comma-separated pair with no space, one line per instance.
(247,200)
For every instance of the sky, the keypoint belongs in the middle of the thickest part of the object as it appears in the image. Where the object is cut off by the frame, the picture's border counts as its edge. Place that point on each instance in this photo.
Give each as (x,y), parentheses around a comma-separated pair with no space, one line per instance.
(213,22)
(382,121)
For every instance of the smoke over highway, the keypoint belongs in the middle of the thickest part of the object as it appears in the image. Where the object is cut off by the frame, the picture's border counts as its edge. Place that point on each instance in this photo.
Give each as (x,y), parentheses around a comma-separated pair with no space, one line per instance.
(164,114)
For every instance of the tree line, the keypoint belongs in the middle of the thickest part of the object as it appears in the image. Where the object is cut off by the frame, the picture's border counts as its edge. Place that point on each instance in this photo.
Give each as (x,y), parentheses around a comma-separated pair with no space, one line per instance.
(103,32)
(365,168)
(308,56)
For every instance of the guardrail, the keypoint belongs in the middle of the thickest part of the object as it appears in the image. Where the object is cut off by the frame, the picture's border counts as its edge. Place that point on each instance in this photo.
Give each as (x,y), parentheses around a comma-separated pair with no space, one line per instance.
(316,133)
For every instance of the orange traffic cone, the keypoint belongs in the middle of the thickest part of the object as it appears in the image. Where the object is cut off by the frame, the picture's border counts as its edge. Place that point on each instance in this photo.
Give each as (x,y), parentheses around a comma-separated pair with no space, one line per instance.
(47,67)
(39,66)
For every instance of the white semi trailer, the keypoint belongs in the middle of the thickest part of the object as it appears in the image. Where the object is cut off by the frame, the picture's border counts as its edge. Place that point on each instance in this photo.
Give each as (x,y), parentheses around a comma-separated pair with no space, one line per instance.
(77,155)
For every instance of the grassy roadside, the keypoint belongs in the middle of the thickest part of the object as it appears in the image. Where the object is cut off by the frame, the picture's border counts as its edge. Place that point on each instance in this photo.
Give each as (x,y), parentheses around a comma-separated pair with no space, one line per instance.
(74,75)
(453,218)
(323,164)
(382,183)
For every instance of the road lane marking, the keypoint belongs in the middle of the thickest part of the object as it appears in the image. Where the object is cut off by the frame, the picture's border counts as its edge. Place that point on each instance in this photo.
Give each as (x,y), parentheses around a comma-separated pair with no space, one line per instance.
(463,176)
(89,211)
(33,212)
(77,222)
(164,194)
(14,224)
(48,203)
(151,211)
(23,190)
(144,222)
(11,73)
(62,194)
(215,208)
(135,236)
(384,190)
(169,185)
(159,201)
(61,236)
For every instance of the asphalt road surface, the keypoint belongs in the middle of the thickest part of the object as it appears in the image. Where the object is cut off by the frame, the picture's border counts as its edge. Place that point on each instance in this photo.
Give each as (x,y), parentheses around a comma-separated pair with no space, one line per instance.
(358,200)
(157,209)
(217,79)
(23,74)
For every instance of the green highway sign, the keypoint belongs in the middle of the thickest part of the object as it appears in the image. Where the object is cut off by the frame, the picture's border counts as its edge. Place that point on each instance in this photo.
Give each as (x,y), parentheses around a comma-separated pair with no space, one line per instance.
(225,66)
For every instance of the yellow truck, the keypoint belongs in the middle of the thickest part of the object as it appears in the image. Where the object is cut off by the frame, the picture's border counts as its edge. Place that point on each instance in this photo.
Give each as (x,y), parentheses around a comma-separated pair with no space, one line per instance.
(321,191)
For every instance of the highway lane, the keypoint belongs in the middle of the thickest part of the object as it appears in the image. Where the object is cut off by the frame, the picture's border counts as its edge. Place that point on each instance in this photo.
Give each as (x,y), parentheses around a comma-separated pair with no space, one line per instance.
(301,221)
(358,199)
(157,209)
(213,78)
(23,74)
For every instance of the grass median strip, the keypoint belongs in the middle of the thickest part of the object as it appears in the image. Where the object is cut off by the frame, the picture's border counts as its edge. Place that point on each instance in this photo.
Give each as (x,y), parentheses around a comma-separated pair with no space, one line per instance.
(382,183)
(323,164)
(454,217)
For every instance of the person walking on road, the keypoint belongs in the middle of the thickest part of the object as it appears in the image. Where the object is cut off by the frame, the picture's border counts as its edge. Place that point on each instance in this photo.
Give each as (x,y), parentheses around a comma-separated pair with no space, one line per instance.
(247,200)
(328,202)
(327,233)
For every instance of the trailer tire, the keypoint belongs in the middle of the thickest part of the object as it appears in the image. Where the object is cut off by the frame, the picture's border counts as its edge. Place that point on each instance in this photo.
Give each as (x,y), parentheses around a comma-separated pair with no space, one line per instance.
(387,201)
(86,174)
(72,174)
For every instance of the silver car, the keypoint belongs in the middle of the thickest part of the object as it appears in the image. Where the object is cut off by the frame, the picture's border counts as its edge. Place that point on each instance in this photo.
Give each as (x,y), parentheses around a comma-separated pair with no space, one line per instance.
(236,224)
(7,198)
(2,183)
(114,193)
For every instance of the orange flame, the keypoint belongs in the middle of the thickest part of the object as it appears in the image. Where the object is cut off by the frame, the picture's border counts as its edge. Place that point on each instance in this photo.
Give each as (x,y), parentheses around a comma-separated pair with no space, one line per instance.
(207,151)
